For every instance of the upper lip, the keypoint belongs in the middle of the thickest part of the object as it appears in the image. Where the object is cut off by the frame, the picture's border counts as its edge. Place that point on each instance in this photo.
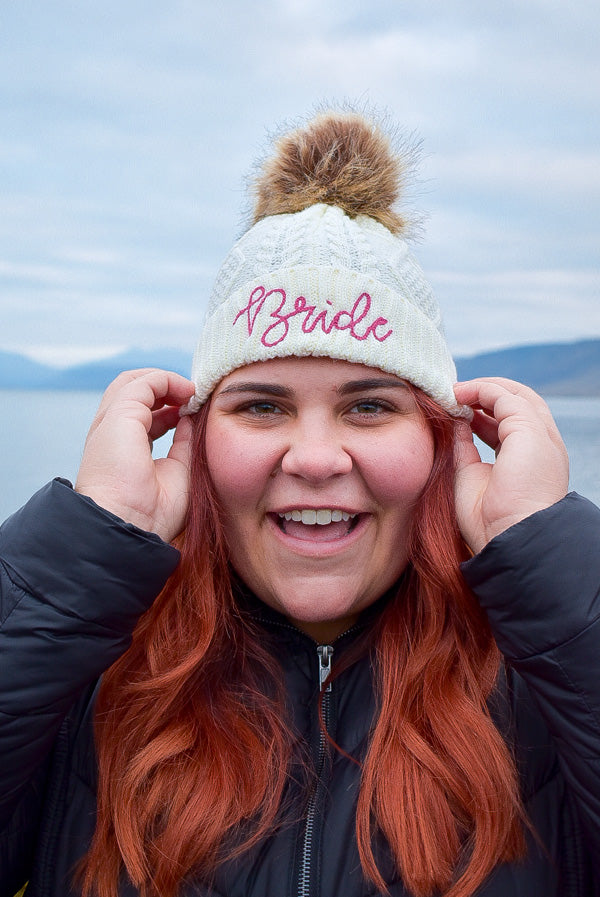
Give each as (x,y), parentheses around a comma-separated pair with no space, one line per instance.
(301,506)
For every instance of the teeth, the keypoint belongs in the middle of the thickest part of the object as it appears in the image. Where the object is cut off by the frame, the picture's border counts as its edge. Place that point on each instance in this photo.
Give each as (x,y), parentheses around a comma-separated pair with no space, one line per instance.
(322,516)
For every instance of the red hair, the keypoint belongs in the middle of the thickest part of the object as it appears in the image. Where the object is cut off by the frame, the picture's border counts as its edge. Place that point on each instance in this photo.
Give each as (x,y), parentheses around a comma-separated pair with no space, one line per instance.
(438,778)
(194,748)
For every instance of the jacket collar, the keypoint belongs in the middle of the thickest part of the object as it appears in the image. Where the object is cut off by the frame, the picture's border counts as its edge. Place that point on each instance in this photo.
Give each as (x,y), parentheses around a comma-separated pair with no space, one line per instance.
(256,610)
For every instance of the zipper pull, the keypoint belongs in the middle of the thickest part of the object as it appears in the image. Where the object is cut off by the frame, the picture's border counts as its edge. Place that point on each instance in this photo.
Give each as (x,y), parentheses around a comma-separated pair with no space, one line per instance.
(325,653)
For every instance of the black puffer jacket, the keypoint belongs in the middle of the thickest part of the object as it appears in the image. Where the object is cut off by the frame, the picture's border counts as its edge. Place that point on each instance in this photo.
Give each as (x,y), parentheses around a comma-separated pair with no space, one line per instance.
(74,580)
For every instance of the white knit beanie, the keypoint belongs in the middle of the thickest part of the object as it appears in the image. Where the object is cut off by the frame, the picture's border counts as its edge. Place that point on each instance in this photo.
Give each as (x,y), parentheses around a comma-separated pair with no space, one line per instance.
(320,275)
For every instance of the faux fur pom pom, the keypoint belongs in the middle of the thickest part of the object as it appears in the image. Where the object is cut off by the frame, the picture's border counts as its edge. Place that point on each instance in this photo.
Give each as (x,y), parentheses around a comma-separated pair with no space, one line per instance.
(340,159)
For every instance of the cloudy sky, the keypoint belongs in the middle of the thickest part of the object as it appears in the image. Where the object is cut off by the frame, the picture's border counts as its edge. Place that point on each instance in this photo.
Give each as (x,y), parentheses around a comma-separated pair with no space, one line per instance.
(127,128)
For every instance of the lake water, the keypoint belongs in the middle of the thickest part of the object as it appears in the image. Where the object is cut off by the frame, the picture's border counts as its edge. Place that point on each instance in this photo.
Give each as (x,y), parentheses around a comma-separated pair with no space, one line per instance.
(43,433)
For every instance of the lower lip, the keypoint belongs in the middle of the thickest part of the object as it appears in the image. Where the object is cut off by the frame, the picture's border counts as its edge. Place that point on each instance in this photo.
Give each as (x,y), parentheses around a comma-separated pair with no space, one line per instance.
(326,548)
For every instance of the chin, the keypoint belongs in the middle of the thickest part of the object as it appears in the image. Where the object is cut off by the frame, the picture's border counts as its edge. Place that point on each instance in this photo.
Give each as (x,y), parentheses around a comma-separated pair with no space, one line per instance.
(315,602)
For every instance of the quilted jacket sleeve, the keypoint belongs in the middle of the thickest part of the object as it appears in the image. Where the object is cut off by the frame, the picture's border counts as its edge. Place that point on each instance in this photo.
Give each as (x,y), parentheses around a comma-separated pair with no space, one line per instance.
(539,583)
(74,580)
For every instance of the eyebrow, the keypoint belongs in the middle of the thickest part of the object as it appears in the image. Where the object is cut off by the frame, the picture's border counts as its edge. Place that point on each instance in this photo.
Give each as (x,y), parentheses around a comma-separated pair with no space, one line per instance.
(347,388)
(371,383)
(273,389)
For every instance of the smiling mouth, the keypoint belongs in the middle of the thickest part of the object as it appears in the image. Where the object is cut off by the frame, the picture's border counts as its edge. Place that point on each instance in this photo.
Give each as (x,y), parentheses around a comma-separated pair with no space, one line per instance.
(317,524)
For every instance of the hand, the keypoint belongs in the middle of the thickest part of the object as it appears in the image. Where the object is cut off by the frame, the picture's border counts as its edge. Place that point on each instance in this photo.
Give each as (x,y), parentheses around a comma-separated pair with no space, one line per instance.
(117,469)
(532,467)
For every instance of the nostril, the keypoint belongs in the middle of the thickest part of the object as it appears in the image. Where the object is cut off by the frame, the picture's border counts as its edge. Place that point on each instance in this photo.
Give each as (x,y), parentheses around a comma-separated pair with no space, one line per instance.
(316,461)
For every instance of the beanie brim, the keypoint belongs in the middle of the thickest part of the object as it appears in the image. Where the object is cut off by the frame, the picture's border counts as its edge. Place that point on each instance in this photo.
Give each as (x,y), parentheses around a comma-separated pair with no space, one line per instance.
(319,311)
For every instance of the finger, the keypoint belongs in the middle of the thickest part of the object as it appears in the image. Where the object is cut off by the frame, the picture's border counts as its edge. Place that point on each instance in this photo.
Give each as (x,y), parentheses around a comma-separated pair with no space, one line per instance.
(122,380)
(165,386)
(503,398)
(156,388)
(483,391)
(115,387)
(181,449)
(465,451)
(163,420)
(486,428)
(512,405)
(151,387)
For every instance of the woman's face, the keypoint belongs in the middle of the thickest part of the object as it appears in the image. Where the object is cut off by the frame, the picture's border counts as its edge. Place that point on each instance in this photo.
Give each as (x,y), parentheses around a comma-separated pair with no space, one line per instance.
(317,465)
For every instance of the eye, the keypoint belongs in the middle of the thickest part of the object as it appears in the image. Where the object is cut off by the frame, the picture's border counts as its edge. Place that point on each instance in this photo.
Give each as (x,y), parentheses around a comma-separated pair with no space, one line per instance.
(371,407)
(261,409)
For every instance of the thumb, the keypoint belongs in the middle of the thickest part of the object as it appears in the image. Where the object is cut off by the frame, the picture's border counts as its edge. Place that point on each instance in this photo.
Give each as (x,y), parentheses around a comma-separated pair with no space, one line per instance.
(181,448)
(465,451)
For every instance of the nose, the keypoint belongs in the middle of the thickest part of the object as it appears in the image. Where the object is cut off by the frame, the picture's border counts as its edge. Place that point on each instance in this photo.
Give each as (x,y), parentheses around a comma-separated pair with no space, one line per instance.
(315,453)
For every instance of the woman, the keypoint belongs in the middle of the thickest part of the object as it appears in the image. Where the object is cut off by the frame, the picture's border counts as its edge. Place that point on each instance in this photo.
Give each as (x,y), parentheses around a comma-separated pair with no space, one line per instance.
(316,702)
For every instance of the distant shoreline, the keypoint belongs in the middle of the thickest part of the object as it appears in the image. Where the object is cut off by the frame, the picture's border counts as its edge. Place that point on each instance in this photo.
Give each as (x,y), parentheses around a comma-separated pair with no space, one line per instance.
(557,369)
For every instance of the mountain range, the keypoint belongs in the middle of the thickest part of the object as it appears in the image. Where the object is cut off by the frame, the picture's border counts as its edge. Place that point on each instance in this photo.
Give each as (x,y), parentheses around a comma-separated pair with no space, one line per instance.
(554,369)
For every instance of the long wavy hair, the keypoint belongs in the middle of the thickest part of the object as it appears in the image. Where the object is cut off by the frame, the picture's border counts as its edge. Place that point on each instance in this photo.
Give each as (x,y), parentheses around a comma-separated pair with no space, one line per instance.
(195,749)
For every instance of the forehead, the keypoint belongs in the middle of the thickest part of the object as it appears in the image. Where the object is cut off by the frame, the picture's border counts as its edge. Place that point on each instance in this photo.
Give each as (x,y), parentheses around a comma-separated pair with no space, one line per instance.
(303,370)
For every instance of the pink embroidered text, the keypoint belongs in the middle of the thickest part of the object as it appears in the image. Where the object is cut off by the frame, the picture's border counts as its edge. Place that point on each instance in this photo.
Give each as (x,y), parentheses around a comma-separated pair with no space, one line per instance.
(281,317)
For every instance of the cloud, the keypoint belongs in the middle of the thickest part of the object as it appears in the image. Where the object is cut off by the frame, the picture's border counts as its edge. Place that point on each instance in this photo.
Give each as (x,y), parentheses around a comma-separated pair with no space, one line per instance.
(496,309)
(65,355)
(544,172)
(127,130)
(348,60)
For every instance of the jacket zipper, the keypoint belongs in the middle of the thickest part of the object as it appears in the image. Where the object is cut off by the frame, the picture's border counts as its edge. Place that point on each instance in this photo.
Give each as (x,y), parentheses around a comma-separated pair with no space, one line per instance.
(325,653)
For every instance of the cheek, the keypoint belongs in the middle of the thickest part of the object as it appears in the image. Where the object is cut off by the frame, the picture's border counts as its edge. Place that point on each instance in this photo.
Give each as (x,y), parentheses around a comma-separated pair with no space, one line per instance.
(237,466)
(401,468)
(225,458)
